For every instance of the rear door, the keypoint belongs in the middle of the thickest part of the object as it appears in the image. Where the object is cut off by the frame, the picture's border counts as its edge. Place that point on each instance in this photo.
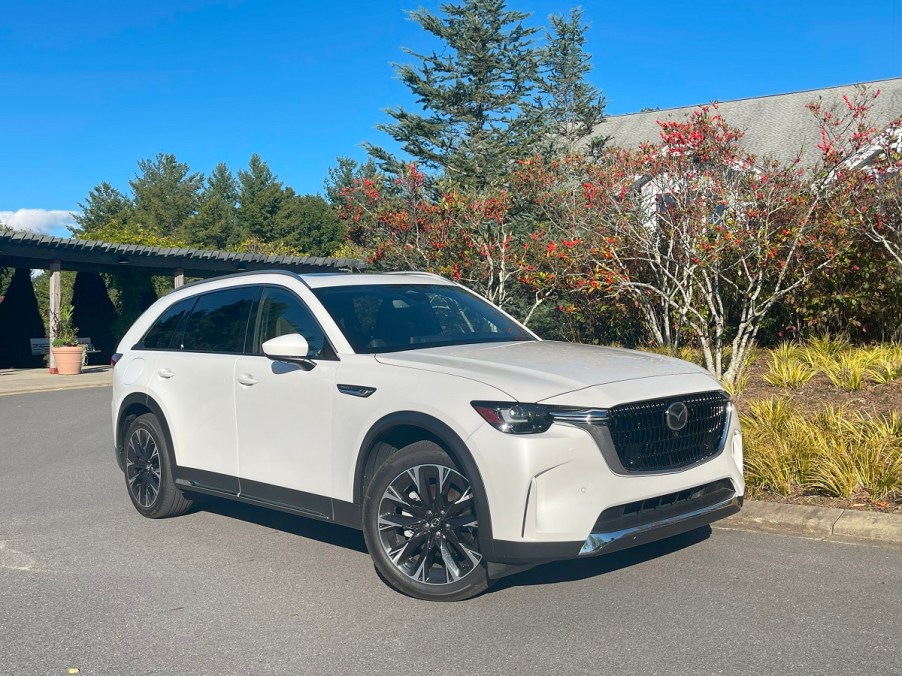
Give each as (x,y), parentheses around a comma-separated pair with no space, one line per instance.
(194,381)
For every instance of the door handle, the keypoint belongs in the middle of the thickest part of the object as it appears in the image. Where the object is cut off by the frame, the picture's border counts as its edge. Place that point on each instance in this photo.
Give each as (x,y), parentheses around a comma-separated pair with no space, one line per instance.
(165,373)
(246,379)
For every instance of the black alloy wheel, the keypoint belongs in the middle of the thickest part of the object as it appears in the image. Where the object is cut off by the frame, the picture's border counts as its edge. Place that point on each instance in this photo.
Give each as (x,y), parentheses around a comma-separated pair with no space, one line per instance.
(148,474)
(142,468)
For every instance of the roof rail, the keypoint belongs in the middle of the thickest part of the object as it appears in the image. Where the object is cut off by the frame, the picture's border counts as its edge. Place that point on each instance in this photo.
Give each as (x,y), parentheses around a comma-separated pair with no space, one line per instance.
(419,273)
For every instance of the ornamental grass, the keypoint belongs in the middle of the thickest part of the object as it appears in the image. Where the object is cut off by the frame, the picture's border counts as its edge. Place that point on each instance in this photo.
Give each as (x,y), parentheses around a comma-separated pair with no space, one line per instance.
(835,452)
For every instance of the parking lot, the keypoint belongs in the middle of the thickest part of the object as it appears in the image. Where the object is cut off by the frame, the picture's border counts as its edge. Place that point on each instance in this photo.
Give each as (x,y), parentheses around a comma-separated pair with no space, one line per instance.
(87,583)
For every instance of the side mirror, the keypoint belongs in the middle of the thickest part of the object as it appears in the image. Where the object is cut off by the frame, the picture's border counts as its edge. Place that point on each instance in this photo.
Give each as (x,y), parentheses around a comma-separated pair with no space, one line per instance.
(290,347)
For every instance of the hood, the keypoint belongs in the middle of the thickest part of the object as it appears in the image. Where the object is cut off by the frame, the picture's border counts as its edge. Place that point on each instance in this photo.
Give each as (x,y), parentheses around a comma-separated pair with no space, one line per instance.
(535,370)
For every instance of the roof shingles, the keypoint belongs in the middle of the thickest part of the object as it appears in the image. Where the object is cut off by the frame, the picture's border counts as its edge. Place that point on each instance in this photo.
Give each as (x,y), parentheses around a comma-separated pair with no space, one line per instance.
(776,127)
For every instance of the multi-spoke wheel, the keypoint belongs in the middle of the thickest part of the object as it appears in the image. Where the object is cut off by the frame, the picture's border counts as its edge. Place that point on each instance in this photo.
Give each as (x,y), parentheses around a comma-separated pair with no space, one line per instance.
(148,475)
(421,525)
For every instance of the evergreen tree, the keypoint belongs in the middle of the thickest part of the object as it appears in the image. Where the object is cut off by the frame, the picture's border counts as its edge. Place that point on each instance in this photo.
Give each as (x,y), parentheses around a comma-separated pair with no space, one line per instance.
(166,195)
(473,92)
(21,321)
(307,223)
(94,314)
(103,205)
(572,107)
(259,200)
(344,175)
(216,223)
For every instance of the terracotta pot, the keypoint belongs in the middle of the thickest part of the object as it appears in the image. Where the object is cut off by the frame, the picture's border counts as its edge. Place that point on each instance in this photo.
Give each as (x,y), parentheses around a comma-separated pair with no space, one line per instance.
(68,360)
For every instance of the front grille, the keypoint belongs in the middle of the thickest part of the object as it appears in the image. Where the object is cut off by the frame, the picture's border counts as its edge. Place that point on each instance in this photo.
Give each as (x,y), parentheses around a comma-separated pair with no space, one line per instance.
(663,507)
(645,443)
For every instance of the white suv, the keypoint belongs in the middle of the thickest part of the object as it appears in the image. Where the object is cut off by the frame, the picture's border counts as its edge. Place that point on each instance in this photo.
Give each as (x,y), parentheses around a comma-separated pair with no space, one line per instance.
(463,446)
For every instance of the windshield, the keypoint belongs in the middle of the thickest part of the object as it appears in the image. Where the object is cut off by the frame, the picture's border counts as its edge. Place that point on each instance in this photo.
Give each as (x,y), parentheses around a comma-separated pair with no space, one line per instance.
(392,317)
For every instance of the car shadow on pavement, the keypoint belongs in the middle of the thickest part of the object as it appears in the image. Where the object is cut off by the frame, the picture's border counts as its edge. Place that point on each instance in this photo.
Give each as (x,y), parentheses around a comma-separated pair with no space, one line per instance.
(330,533)
(549,573)
(579,569)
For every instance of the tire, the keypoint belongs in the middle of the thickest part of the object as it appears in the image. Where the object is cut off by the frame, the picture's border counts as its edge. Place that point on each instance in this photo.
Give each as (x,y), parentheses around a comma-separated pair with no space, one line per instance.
(148,472)
(420,526)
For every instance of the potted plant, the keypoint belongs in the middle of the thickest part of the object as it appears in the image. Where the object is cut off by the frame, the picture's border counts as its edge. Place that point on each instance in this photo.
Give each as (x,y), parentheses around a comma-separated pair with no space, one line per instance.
(67,353)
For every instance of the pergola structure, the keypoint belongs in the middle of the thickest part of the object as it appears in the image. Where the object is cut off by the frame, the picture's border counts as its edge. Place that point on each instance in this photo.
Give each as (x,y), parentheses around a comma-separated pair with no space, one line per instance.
(29,250)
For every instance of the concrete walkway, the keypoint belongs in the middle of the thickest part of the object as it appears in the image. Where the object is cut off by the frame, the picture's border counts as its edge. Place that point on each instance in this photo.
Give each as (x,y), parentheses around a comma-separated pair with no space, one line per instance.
(801,520)
(20,381)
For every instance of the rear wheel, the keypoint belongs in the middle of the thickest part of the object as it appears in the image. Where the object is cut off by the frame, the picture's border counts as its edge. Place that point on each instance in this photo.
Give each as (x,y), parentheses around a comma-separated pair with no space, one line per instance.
(421,526)
(148,474)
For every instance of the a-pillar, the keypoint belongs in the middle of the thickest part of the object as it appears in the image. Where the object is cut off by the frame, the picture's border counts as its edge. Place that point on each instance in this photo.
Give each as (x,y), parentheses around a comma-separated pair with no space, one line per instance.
(178,278)
(55,294)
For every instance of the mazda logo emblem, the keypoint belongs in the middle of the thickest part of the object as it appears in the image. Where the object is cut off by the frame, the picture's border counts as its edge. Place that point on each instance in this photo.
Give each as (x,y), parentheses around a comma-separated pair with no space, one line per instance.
(676,416)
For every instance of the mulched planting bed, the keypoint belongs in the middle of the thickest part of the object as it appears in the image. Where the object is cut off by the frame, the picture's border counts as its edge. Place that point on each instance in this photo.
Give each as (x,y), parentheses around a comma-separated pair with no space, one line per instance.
(819,392)
(812,397)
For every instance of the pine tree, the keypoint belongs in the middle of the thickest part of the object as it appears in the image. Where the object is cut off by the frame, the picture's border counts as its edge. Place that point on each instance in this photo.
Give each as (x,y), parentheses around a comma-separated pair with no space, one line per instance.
(473,92)
(166,195)
(572,107)
(216,223)
(344,174)
(103,205)
(308,224)
(259,200)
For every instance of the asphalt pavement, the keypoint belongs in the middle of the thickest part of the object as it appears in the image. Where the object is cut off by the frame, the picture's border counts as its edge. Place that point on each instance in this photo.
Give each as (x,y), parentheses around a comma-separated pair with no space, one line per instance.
(86,583)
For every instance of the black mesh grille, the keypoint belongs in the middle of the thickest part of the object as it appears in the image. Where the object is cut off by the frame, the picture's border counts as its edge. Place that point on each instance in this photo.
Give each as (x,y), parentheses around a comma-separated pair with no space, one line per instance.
(645,443)
(663,507)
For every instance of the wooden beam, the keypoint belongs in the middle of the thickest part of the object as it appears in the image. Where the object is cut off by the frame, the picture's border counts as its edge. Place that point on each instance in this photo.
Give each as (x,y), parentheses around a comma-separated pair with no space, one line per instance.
(54,311)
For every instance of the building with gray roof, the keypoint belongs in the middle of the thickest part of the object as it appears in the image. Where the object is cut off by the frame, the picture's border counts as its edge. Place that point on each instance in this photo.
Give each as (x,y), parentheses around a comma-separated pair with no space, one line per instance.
(777,126)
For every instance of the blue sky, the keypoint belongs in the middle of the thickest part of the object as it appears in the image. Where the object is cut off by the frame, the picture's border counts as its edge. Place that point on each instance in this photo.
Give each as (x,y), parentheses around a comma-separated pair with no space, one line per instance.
(89,88)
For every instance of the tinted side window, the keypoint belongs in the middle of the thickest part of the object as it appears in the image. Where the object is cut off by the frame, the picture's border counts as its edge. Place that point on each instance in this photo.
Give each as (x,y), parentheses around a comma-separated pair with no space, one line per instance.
(282,313)
(164,333)
(219,320)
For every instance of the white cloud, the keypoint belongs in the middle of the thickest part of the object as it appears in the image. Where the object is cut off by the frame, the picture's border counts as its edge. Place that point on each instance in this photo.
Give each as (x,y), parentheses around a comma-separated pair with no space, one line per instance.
(42,221)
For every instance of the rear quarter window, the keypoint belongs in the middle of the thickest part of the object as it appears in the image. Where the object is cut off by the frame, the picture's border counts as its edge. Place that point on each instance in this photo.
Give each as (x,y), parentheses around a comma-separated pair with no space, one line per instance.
(220,319)
(165,333)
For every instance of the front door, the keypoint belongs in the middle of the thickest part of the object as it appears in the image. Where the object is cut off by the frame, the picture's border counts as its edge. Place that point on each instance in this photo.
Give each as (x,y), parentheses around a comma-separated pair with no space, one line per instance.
(284,411)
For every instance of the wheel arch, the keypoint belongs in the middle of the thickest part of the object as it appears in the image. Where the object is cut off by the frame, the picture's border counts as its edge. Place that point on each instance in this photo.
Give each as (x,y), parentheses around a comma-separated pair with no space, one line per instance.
(132,406)
(399,429)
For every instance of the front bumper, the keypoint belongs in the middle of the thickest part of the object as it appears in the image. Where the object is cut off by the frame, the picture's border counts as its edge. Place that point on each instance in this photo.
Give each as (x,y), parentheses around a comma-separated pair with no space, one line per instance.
(547,494)
(599,542)
(604,543)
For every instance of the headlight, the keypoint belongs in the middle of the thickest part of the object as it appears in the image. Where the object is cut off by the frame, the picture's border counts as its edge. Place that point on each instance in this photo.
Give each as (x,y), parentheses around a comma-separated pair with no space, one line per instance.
(514,418)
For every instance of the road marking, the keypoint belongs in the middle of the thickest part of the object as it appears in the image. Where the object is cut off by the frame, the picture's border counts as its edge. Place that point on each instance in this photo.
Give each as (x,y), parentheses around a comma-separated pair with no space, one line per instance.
(14,559)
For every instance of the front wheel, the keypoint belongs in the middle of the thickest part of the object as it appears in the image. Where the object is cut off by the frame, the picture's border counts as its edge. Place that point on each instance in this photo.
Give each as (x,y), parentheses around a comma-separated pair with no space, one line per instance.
(421,527)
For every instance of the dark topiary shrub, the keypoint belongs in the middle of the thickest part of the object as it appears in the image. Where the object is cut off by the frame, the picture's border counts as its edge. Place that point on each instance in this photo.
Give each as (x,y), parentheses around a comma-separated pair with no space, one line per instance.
(20,320)
(94,314)
(134,293)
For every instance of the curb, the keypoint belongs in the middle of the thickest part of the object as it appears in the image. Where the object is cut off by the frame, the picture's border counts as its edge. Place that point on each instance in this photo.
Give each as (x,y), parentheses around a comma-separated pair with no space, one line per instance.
(28,381)
(51,388)
(817,522)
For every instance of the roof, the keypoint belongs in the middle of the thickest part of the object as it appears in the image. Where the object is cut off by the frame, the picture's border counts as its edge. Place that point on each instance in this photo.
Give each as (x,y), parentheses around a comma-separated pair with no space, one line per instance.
(29,250)
(776,126)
